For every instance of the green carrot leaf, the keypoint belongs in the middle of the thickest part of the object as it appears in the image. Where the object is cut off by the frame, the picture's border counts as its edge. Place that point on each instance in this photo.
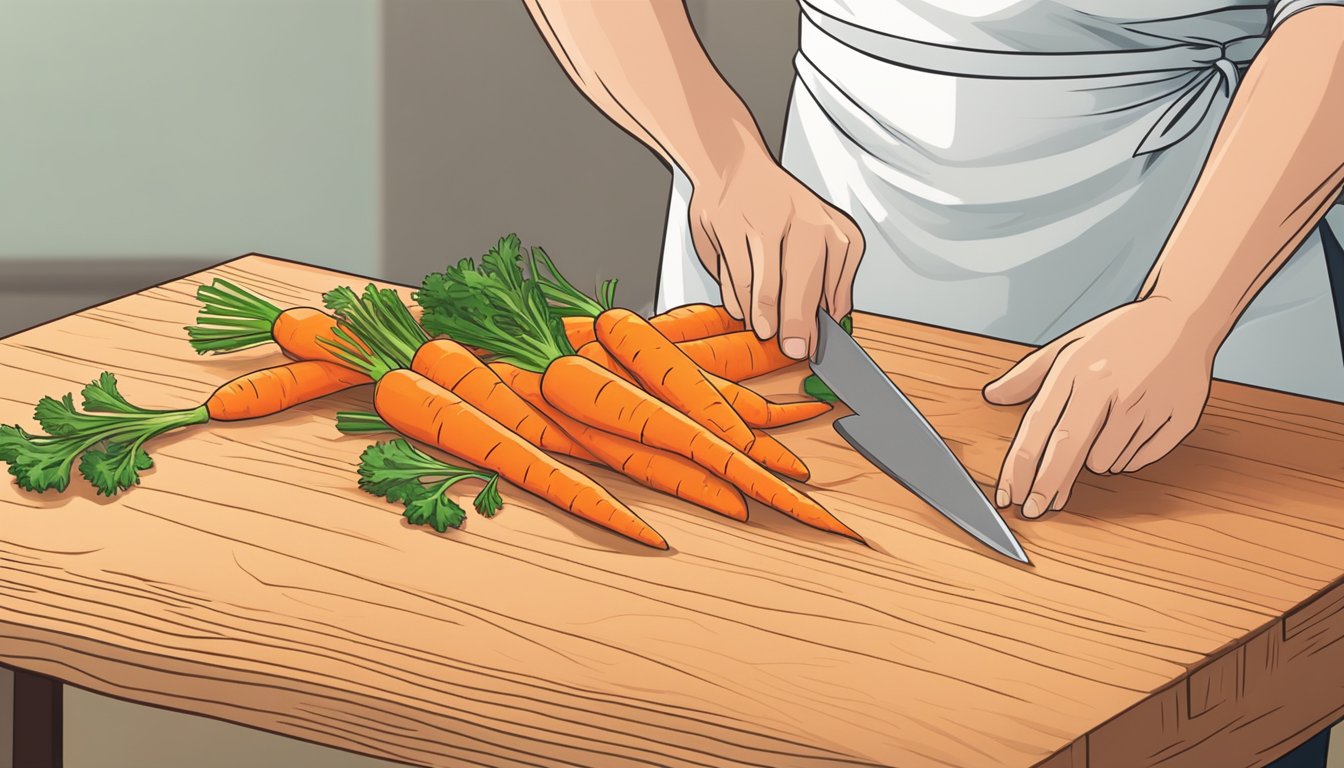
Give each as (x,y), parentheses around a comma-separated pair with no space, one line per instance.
(495,307)
(816,389)
(231,318)
(57,417)
(114,468)
(38,463)
(488,501)
(401,473)
(813,386)
(436,510)
(109,434)
(103,396)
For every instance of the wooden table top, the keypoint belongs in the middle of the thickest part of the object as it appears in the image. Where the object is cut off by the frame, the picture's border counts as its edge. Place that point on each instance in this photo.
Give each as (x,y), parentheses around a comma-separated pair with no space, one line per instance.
(1189,614)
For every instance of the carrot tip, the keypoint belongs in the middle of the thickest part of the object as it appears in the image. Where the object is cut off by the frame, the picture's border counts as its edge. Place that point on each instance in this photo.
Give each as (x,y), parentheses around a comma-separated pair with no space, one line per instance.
(849,533)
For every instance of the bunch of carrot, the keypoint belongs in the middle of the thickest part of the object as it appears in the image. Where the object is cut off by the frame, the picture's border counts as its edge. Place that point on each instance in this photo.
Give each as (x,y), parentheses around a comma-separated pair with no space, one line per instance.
(509,368)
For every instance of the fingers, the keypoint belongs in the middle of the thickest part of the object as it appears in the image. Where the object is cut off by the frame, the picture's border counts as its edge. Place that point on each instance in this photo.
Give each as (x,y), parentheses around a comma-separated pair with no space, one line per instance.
(1024,455)
(1150,426)
(730,292)
(1168,436)
(844,251)
(720,264)
(1121,425)
(1023,380)
(1066,450)
(765,283)
(804,270)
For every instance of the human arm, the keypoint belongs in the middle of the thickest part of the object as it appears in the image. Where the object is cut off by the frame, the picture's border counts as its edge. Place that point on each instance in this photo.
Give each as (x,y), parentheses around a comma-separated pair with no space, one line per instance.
(778,250)
(1123,390)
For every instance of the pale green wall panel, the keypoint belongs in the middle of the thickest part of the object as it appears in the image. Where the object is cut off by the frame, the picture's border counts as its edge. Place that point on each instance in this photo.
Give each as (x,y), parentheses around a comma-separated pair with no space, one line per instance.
(190,128)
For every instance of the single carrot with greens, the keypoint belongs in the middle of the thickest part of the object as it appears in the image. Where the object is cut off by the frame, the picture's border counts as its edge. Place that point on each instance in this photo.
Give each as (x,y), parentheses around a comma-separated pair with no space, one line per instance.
(695,321)
(422,410)
(111,432)
(233,318)
(737,356)
(668,374)
(576,385)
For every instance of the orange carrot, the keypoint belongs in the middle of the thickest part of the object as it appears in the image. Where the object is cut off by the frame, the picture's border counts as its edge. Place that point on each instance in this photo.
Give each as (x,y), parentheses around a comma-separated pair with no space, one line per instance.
(580,387)
(695,321)
(111,433)
(662,471)
(755,410)
(761,413)
(667,373)
(579,330)
(271,390)
(598,354)
(425,411)
(456,369)
(297,330)
(737,356)
(233,318)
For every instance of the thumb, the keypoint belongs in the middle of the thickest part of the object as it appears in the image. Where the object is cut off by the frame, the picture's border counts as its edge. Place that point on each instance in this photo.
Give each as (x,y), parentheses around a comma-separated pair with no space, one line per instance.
(1023,381)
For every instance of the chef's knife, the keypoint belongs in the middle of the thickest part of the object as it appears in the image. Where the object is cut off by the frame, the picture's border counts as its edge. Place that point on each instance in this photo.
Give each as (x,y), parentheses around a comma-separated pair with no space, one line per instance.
(892,434)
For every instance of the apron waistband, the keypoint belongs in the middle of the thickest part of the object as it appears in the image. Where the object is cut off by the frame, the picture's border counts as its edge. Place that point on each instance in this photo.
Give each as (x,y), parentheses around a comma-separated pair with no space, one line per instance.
(1216,67)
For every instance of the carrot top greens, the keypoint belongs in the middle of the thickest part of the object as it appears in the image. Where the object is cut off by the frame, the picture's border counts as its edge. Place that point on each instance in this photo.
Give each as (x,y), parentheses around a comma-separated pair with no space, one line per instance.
(814,386)
(566,300)
(110,435)
(381,320)
(231,318)
(377,333)
(499,308)
(400,472)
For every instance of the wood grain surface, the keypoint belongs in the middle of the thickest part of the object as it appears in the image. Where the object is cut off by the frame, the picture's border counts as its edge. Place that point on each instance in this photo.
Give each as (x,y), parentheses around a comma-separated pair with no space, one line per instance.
(1188,615)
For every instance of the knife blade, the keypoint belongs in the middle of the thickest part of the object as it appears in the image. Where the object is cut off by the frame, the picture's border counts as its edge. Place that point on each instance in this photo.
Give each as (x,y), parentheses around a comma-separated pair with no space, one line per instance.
(889,431)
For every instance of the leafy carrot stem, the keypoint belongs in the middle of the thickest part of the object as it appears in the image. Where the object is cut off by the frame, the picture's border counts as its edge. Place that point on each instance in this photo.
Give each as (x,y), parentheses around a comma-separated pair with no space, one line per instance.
(231,318)
(566,300)
(360,423)
(495,307)
(110,435)
(399,472)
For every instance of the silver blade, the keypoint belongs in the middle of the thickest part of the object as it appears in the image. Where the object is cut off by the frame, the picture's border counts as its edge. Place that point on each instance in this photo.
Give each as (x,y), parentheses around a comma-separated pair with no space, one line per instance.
(892,434)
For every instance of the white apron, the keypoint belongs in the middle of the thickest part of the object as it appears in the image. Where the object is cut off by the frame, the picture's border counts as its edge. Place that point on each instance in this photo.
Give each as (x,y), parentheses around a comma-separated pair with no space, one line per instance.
(1016,165)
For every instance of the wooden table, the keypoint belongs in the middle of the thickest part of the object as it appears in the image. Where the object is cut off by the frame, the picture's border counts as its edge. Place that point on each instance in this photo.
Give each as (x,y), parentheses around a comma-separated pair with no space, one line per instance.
(1188,615)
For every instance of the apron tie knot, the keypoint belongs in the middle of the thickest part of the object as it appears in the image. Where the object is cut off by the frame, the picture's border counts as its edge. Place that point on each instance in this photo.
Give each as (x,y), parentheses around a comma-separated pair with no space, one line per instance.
(1217,80)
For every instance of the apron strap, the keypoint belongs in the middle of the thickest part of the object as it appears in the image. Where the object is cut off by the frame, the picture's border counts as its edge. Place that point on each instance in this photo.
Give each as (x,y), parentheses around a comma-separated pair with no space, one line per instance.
(1334,266)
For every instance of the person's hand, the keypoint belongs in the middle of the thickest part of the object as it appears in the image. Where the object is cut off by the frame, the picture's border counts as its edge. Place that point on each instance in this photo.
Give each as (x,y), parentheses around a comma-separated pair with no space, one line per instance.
(778,251)
(1114,395)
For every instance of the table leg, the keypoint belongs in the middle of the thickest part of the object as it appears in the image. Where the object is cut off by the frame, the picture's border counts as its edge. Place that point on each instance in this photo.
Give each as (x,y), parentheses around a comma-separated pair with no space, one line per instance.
(37,721)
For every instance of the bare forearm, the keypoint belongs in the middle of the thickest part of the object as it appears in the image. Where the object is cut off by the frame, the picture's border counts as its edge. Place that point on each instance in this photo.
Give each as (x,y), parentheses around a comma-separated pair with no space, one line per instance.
(1275,168)
(639,62)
